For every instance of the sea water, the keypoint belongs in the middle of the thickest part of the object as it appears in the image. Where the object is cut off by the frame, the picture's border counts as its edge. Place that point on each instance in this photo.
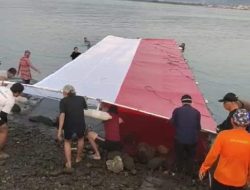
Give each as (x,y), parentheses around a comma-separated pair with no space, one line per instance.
(217,40)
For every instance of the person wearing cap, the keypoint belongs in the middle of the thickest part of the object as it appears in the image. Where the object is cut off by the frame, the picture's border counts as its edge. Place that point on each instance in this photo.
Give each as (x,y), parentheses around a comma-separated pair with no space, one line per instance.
(72,122)
(186,120)
(10,73)
(24,68)
(7,101)
(232,147)
(230,103)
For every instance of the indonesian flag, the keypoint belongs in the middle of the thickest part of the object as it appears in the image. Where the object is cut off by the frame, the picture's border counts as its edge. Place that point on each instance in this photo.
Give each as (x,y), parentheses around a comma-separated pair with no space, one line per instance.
(147,75)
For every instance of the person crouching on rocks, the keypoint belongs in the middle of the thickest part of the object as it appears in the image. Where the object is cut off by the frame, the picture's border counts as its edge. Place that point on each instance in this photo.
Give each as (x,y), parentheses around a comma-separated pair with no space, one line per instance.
(71,120)
(111,142)
(7,101)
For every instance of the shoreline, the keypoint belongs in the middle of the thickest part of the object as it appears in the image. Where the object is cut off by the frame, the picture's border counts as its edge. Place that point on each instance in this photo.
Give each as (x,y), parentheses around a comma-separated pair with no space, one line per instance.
(233,7)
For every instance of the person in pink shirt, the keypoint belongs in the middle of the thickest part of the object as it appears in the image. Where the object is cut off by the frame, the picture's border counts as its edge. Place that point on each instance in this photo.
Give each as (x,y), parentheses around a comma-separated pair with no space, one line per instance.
(112,139)
(24,68)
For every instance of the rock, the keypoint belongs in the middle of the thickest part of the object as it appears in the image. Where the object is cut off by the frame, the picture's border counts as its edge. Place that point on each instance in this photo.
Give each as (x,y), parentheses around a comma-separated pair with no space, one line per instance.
(147,185)
(145,153)
(42,119)
(156,182)
(170,160)
(2,162)
(170,184)
(128,162)
(89,165)
(47,108)
(56,173)
(155,163)
(129,145)
(113,154)
(163,150)
(134,172)
(16,109)
(115,165)
(126,174)
(96,181)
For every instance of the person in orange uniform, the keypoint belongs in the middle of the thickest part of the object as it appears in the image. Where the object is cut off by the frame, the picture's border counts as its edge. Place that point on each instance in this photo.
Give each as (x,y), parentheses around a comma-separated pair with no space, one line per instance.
(233,148)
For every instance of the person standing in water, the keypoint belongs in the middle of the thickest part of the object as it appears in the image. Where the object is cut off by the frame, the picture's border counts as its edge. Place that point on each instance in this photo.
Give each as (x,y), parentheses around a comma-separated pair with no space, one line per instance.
(24,68)
(75,53)
(87,42)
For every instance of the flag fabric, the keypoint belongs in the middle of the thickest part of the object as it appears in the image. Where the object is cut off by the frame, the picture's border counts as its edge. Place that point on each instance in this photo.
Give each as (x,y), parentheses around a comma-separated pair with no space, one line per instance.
(147,75)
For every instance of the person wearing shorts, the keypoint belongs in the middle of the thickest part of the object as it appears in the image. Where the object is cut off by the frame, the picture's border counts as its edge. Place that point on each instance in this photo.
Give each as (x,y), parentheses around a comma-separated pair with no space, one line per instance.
(72,123)
(7,101)
(111,142)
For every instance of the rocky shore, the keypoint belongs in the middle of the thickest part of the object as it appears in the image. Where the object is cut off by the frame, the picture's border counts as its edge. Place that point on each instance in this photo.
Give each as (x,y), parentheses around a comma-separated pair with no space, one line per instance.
(36,162)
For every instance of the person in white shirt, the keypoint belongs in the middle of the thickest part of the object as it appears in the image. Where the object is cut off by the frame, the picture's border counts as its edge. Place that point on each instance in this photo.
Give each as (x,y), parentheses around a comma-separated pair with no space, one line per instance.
(10,73)
(7,100)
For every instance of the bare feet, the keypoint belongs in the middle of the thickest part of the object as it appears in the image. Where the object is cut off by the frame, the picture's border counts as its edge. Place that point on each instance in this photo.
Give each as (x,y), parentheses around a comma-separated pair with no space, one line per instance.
(68,165)
(78,160)
(68,169)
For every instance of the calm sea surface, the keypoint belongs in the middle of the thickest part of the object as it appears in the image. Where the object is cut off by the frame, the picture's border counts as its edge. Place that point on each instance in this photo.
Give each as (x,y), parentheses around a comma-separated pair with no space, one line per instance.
(217,40)
(206,2)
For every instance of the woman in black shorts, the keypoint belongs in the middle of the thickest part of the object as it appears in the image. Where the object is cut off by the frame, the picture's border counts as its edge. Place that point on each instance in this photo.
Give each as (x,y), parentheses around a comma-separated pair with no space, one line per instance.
(72,121)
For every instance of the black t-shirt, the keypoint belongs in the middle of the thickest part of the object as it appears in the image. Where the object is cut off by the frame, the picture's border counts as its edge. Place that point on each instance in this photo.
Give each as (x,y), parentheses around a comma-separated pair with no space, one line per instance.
(73,107)
(74,55)
(225,125)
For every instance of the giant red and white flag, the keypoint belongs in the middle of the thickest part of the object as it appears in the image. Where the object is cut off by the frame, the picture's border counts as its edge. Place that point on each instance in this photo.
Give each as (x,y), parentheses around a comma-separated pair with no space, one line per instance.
(148,75)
